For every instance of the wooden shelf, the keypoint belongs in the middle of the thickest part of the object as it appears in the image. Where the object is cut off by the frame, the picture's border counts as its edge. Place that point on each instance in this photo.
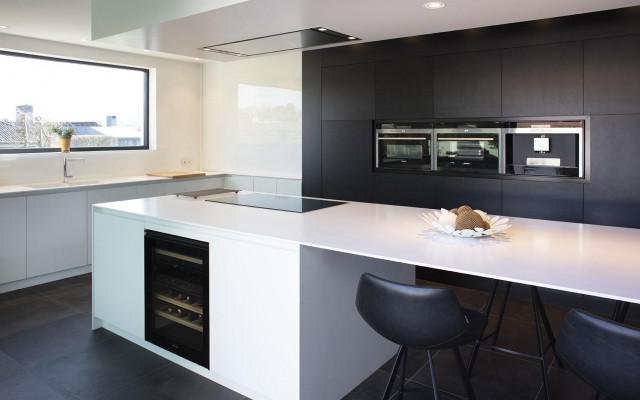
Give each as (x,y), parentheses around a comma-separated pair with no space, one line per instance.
(179,303)
(179,320)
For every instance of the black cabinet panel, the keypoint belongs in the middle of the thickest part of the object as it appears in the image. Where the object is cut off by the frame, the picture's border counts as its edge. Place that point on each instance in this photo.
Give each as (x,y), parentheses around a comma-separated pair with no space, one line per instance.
(347,92)
(347,160)
(560,201)
(406,190)
(542,80)
(612,75)
(404,89)
(311,123)
(479,193)
(613,196)
(467,85)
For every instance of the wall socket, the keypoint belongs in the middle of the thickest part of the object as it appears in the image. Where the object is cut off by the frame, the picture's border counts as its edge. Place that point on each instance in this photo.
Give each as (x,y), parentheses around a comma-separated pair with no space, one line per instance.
(186,163)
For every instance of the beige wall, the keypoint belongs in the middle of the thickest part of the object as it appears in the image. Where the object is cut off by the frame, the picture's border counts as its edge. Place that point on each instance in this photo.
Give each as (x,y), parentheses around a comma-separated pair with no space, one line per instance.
(175,119)
(252,122)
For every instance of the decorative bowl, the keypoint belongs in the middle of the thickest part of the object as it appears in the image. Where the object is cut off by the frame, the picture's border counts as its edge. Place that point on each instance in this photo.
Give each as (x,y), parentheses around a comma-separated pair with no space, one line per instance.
(445,221)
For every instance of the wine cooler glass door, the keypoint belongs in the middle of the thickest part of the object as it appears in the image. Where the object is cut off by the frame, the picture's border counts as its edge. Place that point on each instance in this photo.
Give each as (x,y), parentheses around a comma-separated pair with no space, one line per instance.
(177,295)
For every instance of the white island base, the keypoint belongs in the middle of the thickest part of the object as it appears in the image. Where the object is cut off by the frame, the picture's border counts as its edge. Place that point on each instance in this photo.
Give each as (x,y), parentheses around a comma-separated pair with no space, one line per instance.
(283,321)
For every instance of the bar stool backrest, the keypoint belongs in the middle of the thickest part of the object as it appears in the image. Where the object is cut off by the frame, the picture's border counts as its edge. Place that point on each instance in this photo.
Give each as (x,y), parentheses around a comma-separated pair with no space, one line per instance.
(605,354)
(411,316)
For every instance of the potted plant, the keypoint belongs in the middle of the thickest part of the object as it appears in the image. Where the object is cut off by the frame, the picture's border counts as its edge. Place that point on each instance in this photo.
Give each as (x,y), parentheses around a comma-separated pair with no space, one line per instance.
(64,136)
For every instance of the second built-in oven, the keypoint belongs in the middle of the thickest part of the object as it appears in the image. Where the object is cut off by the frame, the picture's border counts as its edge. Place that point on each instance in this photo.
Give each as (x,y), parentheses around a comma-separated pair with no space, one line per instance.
(405,147)
(468,147)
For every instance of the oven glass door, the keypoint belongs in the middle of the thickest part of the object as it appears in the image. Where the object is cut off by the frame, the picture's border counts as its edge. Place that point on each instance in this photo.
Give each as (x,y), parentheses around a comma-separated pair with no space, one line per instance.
(404,151)
(469,152)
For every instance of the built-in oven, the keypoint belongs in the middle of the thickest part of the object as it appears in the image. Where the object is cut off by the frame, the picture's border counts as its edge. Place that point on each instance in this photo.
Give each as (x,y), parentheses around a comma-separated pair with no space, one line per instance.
(177,295)
(403,146)
(468,147)
(545,148)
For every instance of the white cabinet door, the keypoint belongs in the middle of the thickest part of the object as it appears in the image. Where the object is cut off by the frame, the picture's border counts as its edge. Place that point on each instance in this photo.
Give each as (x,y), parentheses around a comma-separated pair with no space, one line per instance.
(13,245)
(105,196)
(118,272)
(56,232)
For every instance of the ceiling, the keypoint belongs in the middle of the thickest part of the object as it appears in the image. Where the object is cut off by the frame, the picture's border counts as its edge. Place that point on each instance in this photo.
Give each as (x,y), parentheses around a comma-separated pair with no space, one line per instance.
(372,20)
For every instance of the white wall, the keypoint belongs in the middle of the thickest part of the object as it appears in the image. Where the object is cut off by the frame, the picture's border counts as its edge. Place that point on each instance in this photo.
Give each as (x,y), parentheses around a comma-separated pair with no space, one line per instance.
(242,134)
(175,123)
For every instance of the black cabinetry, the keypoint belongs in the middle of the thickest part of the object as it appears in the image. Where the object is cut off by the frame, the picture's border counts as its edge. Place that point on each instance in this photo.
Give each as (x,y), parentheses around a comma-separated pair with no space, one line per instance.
(560,201)
(347,92)
(347,160)
(542,80)
(612,75)
(467,85)
(404,89)
(480,193)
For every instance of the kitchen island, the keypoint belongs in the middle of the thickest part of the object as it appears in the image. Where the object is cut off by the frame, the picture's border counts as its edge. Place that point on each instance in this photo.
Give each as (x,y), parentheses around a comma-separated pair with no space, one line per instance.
(282,285)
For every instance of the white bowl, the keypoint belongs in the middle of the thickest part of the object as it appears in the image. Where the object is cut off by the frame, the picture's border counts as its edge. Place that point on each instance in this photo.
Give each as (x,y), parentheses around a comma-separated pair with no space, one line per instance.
(444,221)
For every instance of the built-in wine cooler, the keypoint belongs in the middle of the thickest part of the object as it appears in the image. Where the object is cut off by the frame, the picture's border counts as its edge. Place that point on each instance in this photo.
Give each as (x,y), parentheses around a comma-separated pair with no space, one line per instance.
(177,295)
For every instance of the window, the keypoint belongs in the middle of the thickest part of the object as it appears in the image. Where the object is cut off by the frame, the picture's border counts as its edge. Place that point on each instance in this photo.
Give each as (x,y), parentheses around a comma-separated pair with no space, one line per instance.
(106,105)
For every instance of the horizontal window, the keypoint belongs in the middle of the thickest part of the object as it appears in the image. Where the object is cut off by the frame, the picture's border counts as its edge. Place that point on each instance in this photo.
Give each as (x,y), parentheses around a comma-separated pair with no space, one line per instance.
(44,100)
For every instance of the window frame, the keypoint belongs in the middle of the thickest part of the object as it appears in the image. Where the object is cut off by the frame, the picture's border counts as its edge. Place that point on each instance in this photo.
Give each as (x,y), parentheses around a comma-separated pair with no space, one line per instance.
(146,71)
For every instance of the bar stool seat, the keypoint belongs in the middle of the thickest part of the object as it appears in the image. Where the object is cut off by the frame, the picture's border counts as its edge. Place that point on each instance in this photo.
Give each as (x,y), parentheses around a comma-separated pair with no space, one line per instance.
(603,353)
(421,318)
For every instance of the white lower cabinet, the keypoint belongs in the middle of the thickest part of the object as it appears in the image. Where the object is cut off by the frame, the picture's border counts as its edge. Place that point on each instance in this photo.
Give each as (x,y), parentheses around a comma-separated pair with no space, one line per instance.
(13,246)
(118,272)
(56,232)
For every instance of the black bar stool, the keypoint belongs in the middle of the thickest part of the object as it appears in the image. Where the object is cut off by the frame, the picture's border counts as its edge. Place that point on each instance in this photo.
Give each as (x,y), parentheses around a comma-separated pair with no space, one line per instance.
(541,321)
(421,318)
(603,353)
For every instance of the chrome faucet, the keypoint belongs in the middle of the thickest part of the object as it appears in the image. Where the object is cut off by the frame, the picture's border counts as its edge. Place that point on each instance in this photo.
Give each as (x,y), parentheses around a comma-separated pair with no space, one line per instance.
(66,169)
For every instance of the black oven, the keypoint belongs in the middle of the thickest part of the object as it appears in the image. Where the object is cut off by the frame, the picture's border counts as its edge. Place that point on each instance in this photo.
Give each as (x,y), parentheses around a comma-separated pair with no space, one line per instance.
(468,147)
(403,146)
(177,295)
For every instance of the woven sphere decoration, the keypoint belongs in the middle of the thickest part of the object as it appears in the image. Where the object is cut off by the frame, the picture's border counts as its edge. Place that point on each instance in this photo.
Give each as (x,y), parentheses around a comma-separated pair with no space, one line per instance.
(470,220)
(464,208)
(454,211)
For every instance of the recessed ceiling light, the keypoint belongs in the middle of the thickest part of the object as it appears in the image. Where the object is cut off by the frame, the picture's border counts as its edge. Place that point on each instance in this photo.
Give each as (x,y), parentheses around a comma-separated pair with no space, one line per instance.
(146,51)
(322,29)
(352,38)
(197,58)
(4,27)
(434,5)
(84,40)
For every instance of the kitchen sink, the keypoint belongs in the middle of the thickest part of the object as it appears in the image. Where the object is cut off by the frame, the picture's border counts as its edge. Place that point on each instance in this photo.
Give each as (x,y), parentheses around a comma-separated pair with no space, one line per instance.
(51,185)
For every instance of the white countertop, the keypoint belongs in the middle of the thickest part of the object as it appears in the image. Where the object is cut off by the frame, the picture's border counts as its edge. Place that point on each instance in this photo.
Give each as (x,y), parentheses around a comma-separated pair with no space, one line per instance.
(595,260)
(89,183)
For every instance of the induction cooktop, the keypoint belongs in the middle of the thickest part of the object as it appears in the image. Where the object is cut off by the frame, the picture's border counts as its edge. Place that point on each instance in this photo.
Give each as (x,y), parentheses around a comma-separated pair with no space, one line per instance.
(275,202)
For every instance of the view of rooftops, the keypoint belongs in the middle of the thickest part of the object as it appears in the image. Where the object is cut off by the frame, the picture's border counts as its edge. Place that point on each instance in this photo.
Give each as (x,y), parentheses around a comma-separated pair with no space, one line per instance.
(105,105)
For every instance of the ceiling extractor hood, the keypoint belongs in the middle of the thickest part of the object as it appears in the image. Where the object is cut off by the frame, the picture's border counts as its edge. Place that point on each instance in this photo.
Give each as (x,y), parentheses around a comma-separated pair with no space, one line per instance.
(281,42)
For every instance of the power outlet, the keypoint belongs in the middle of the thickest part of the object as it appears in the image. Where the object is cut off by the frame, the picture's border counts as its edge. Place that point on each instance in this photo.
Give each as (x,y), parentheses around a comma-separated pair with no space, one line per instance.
(186,163)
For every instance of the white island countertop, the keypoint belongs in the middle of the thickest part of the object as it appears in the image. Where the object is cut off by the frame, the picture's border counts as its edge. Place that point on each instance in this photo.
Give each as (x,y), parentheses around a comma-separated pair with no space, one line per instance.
(587,259)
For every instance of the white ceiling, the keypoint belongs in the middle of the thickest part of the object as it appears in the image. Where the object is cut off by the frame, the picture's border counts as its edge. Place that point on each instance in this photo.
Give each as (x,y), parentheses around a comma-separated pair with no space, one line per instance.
(371,20)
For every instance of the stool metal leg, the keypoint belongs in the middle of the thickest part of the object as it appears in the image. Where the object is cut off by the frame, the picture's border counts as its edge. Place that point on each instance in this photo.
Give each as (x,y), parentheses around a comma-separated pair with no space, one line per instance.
(403,371)
(620,311)
(487,312)
(537,317)
(394,371)
(433,375)
(463,373)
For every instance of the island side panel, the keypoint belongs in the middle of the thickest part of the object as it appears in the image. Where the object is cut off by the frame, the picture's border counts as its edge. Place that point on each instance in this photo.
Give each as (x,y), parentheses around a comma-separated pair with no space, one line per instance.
(118,273)
(338,349)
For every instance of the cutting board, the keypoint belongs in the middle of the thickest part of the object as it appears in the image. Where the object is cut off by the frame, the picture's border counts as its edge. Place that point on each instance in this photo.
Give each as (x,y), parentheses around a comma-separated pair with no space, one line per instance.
(176,174)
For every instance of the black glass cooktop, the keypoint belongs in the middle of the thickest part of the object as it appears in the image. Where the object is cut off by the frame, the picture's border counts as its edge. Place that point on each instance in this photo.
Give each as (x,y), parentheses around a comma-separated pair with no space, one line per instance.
(275,202)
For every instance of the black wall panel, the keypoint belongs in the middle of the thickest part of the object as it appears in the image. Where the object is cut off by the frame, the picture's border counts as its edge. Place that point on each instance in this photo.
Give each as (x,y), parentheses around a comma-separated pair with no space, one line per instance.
(613,196)
(347,92)
(311,126)
(543,200)
(406,190)
(347,160)
(467,85)
(612,75)
(542,80)
(479,193)
(404,89)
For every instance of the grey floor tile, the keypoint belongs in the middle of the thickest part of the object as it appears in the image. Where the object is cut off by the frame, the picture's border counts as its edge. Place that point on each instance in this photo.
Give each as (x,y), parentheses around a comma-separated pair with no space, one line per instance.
(18,314)
(24,386)
(9,367)
(77,296)
(44,344)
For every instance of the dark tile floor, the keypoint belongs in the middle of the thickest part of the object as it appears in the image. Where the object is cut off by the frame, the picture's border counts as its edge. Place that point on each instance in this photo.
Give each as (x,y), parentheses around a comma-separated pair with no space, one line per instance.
(48,351)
